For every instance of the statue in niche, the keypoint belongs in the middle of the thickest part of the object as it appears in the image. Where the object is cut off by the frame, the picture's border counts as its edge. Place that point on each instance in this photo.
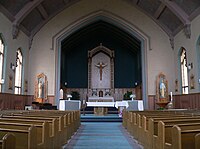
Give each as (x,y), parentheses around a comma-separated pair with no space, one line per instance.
(41,88)
(100,65)
(162,88)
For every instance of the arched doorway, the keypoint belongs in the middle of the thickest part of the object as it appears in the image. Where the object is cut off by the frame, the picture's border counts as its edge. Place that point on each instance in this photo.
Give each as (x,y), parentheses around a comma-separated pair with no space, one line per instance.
(113,20)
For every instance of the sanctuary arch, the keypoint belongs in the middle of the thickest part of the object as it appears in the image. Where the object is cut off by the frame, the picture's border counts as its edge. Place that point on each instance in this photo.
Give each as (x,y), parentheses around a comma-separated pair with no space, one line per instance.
(112,19)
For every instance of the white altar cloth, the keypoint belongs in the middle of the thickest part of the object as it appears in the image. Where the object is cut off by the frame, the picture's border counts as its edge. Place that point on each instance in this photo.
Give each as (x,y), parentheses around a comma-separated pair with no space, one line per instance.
(130,105)
(69,105)
(95,98)
(121,104)
(100,104)
(135,105)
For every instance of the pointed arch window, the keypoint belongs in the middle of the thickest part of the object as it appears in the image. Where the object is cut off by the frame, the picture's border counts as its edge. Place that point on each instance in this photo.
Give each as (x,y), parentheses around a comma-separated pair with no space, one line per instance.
(2,48)
(184,72)
(18,72)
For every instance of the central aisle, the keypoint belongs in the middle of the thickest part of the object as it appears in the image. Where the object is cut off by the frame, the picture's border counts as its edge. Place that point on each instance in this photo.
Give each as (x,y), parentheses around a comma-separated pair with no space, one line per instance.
(102,135)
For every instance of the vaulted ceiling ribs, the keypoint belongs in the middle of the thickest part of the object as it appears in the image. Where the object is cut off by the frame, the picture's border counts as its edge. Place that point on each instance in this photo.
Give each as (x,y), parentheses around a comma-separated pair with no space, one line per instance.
(30,15)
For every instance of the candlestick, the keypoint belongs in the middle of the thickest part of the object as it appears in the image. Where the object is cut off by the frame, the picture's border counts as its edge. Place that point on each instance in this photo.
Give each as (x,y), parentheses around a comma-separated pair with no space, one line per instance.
(171,96)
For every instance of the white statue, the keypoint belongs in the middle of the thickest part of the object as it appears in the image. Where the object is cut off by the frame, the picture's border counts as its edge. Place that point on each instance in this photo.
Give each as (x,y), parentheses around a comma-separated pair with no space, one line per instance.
(162,89)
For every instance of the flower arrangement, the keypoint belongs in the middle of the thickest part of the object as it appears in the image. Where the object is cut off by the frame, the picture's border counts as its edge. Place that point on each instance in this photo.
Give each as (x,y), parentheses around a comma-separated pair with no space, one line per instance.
(127,95)
(132,96)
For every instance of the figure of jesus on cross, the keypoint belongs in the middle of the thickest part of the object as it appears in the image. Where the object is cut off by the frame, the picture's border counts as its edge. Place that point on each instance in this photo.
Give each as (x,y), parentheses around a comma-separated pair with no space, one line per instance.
(100,65)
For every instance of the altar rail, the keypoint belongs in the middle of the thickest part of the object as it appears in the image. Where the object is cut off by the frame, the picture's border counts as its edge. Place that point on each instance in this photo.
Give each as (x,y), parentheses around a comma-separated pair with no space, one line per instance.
(117,93)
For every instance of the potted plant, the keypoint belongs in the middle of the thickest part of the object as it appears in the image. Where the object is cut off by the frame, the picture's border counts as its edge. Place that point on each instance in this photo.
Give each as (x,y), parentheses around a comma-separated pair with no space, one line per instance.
(127,95)
(75,95)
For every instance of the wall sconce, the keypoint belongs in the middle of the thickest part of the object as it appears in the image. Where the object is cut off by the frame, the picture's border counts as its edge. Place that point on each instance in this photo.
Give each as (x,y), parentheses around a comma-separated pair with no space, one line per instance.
(2,81)
(190,66)
(12,66)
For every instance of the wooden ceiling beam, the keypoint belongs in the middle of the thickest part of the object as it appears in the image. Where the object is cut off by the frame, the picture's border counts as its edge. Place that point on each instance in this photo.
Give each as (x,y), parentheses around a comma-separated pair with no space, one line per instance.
(19,17)
(181,14)
(159,11)
(42,11)
(6,13)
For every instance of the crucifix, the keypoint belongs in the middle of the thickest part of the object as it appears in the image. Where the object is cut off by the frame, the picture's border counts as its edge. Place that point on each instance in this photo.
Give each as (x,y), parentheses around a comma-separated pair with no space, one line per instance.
(100,65)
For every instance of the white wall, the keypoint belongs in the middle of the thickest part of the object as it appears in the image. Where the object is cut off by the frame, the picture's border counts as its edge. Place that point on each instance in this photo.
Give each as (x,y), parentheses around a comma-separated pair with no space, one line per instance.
(159,58)
(190,46)
(11,47)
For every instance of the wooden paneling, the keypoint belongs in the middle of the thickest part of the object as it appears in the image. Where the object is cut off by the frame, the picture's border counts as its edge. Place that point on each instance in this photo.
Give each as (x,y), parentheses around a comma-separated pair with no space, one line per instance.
(51,99)
(17,102)
(12,101)
(151,102)
(189,101)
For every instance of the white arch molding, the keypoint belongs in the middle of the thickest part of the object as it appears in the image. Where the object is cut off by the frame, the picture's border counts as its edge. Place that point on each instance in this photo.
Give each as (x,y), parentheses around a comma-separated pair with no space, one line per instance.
(109,18)
(198,60)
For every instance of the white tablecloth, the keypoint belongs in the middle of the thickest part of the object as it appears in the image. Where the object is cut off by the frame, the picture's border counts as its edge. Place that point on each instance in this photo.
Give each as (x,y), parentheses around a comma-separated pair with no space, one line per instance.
(100,104)
(135,105)
(69,105)
(94,98)
(130,105)
(121,104)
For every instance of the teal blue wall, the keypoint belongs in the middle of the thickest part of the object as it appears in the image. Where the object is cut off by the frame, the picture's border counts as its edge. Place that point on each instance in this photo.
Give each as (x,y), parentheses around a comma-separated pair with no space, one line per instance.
(74,56)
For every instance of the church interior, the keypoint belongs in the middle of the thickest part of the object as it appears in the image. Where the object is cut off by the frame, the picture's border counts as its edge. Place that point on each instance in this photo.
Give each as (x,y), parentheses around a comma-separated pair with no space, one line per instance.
(99,74)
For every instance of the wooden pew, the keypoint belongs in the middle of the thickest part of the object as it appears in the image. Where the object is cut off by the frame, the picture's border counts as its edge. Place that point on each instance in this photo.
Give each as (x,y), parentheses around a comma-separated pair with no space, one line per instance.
(184,139)
(164,136)
(69,122)
(53,122)
(7,141)
(155,130)
(25,137)
(62,133)
(42,130)
(140,127)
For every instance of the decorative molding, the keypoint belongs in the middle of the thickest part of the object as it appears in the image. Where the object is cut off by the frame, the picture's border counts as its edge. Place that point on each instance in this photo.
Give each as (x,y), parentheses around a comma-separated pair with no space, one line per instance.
(23,13)
(187,30)
(159,11)
(42,11)
(15,31)
(171,39)
(181,14)
(40,25)
(98,51)
(30,41)
(7,13)
(160,24)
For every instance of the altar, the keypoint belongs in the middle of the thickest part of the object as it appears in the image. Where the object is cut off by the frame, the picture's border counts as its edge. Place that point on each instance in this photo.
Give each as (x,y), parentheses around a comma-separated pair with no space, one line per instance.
(131,105)
(100,108)
(65,105)
(101,99)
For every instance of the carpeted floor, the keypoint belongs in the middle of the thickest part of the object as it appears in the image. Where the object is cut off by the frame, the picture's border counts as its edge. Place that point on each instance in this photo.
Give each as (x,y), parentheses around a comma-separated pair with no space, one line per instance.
(102,135)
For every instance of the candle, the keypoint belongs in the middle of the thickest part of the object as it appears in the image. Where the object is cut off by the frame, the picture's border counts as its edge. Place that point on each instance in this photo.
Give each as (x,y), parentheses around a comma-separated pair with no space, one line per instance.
(171,96)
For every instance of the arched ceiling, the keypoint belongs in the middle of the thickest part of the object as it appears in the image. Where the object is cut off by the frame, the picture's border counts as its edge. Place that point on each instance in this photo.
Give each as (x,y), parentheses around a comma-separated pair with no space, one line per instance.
(101,32)
(30,15)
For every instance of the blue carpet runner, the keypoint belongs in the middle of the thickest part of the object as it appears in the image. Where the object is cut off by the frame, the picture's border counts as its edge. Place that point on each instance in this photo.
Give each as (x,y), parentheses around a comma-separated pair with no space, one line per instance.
(102,135)
(107,118)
